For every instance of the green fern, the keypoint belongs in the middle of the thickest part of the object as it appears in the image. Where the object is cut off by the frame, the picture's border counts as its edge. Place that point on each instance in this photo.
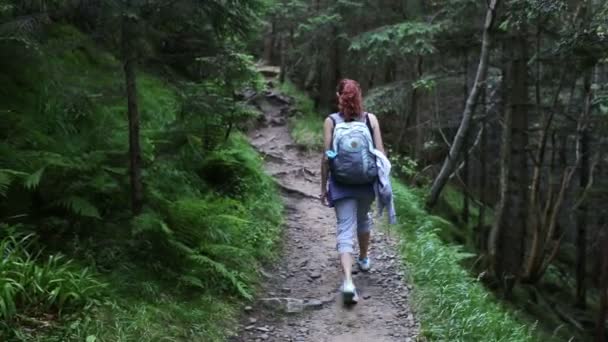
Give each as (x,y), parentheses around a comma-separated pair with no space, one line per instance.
(150,222)
(192,281)
(221,270)
(32,181)
(232,254)
(5,181)
(197,220)
(79,206)
(206,268)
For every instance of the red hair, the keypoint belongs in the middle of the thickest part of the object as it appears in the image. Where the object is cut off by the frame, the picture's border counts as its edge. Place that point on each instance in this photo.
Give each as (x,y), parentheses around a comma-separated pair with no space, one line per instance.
(350,100)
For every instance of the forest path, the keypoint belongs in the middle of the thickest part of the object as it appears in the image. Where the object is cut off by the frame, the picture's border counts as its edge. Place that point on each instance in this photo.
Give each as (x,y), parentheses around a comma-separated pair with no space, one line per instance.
(300,299)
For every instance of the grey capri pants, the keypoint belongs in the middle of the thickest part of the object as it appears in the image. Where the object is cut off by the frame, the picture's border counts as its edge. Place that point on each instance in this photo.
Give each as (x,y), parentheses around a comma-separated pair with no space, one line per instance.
(351,213)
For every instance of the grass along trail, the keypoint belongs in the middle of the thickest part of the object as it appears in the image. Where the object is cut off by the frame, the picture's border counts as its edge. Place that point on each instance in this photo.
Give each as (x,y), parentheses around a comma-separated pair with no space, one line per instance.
(300,299)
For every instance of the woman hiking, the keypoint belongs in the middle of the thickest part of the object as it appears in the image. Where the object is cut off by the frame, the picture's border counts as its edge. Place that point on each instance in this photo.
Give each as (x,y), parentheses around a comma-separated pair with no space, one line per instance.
(349,177)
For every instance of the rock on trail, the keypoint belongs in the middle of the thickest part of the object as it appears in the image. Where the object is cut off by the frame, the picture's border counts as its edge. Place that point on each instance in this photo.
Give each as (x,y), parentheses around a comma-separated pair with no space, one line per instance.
(300,299)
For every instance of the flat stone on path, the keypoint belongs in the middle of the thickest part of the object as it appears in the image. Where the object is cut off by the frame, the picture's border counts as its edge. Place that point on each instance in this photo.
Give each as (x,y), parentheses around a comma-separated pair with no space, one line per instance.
(315,275)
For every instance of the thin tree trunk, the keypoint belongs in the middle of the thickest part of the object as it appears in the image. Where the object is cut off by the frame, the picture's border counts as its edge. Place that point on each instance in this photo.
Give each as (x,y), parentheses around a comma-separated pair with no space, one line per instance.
(465,175)
(269,43)
(545,245)
(581,236)
(283,68)
(135,160)
(504,175)
(482,184)
(336,53)
(411,117)
(414,111)
(480,78)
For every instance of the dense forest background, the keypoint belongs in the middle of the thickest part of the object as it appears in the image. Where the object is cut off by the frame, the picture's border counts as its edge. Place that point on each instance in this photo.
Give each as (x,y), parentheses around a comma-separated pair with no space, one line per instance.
(507,101)
(132,207)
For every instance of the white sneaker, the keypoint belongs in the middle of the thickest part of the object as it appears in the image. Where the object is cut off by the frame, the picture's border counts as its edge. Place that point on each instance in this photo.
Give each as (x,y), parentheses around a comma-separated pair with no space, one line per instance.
(349,292)
(364,264)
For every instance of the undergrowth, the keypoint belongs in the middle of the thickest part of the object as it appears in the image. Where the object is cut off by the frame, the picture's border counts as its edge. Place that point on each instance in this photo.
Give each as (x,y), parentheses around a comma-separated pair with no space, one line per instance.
(36,290)
(452,305)
(178,271)
(210,245)
(306,125)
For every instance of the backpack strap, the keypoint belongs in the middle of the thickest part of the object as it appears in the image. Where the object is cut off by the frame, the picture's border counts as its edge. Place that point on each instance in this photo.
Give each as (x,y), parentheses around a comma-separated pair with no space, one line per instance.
(371,130)
(368,123)
(333,120)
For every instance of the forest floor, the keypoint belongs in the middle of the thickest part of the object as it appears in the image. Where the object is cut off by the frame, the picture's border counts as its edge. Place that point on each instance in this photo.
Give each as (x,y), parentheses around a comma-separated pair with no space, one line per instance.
(299,300)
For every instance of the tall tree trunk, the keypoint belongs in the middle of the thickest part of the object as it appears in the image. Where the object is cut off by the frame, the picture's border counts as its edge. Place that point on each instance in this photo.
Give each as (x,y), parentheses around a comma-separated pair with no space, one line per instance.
(581,236)
(480,238)
(452,158)
(129,22)
(507,249)
(505,172)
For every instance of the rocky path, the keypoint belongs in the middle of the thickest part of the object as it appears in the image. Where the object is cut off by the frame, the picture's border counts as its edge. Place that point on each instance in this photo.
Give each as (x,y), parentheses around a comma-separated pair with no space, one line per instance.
(300,300)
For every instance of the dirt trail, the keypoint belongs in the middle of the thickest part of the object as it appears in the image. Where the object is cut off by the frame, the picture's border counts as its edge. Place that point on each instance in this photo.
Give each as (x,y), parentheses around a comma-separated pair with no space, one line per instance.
(300,301)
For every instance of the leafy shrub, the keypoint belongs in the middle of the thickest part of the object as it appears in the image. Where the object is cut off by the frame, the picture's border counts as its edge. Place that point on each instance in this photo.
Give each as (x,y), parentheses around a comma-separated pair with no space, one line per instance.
(33,288)
(231,172)
(403,166)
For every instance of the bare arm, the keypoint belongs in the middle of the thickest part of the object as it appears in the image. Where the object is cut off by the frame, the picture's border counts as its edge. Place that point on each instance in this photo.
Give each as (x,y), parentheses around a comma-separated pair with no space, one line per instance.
(377,134)
(328,127)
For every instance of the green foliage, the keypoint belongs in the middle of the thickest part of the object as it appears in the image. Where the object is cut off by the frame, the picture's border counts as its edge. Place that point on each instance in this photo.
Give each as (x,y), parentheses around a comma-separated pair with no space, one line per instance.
(63,173)
(451,304)
(6,178)
(36,289)
(526,11)
(307,131)
(234,16)
(212,242)
(210,108)
(317,27)
(79,206)
(303,103)
(306,125)
(454,198)
(403,166)
(287,12)
(166,317)
(389,99)
(396,41)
